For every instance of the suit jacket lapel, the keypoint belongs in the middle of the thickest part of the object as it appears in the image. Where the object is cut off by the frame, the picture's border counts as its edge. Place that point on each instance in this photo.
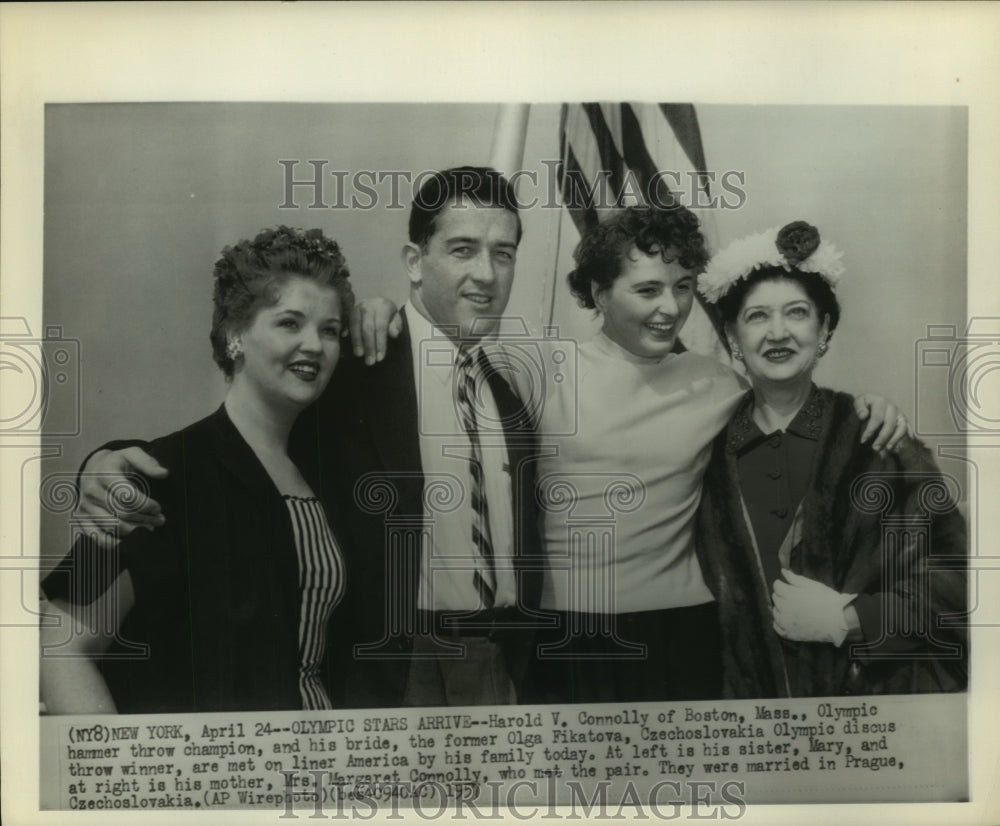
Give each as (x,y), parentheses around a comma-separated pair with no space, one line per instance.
(390,409)
(522,447)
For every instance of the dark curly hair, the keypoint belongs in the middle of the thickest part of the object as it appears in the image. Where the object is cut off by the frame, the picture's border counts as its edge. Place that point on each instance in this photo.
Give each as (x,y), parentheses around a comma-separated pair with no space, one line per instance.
(250,275)
(674,233)
(816,287)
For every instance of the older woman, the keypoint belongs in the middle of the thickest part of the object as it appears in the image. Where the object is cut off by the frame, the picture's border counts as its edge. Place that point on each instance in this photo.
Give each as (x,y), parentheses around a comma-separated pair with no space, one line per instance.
(815,546)
(226,606)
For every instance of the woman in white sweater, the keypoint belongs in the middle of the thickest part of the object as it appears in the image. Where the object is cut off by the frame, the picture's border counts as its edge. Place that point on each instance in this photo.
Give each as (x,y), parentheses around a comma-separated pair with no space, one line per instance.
(621,488)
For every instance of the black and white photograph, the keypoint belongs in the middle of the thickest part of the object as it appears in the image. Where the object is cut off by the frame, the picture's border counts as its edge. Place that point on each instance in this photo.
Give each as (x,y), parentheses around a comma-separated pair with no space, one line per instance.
(620,452)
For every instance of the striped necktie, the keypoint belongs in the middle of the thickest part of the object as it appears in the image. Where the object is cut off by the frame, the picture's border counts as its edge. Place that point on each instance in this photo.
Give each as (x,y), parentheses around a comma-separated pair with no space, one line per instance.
(472,369)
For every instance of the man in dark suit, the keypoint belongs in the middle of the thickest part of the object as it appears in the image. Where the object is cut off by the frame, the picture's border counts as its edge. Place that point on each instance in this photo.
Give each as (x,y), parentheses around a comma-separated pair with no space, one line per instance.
(437,517)
(425,464)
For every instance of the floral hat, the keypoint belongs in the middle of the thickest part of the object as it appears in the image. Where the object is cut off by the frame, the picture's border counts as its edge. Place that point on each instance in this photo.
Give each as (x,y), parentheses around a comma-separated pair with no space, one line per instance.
(793,246)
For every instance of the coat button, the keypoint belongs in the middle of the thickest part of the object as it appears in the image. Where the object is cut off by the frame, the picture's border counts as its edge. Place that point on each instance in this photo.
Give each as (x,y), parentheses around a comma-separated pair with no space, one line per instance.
(774,474)
(781,513)
(775,441)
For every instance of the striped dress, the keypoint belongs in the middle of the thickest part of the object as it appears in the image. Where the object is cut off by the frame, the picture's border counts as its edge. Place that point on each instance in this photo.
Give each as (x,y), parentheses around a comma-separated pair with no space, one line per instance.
(321,587)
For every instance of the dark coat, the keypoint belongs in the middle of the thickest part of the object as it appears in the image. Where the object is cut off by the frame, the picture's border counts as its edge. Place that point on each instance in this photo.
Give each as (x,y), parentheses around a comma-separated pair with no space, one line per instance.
(216,588)
(853,498)
(364,437)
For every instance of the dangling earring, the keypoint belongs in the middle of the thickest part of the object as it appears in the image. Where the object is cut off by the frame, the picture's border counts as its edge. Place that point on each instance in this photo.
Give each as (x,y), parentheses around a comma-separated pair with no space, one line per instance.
(737,354)
(823,346)
(234,349)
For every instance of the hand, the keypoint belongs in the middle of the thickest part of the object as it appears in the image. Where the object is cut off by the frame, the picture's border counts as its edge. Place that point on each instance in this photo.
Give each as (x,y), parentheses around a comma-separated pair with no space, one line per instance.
(105,481)
(885,422)
(372,320)
(809,611)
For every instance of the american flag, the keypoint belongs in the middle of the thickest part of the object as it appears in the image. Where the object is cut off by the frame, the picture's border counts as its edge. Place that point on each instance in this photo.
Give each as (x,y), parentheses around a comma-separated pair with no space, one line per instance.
(623,154)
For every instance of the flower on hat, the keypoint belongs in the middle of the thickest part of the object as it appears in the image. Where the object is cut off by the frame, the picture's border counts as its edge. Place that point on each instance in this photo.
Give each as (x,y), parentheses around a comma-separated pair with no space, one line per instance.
(797,241)
(795,246)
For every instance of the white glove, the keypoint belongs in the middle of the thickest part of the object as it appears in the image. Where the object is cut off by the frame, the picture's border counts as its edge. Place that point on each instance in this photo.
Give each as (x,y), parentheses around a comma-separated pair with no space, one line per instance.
(809,611)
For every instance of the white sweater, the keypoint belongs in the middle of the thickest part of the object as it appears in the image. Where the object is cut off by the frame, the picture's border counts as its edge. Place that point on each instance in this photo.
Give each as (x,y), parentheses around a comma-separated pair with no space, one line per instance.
(624,447)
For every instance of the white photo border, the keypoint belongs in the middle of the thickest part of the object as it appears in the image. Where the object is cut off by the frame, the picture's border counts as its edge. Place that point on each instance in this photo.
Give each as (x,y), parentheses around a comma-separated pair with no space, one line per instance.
(907,54)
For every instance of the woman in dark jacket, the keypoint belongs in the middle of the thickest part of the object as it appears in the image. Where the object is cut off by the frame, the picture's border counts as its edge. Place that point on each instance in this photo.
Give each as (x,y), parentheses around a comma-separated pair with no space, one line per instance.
(226,606)
(836,569)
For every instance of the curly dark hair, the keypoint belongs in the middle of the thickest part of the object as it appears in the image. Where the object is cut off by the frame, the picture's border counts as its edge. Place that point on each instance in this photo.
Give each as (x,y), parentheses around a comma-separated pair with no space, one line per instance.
(674,233)
(817,288)
(250,275)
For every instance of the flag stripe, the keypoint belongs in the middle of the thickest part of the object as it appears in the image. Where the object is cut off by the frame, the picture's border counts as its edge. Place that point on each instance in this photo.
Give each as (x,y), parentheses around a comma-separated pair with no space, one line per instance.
(583,215)
(684,124)
(634,144)
(583,142)
(609,160)
(638,158)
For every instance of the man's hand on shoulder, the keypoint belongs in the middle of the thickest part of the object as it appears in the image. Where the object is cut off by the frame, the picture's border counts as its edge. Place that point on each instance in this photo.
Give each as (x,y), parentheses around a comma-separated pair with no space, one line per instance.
(113,486)
(373,322)
(883,420)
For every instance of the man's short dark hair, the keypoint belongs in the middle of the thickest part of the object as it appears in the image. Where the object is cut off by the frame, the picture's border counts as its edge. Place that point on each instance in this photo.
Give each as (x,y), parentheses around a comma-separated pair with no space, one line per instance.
(481,185)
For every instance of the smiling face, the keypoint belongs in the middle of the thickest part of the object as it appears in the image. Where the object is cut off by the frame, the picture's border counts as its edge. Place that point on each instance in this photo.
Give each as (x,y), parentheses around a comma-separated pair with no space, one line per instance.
(778,330)
(646,306)
(291,347)
(461,278)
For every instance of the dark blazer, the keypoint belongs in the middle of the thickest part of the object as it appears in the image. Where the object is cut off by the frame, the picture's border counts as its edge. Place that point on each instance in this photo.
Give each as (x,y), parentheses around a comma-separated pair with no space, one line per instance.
(364,433)
(216,588)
